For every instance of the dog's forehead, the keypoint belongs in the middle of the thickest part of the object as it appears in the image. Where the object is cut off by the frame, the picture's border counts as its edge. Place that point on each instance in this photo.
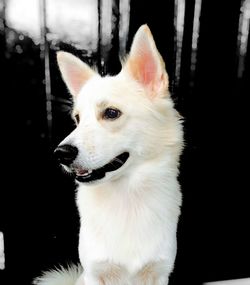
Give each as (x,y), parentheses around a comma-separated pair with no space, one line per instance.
(103,89)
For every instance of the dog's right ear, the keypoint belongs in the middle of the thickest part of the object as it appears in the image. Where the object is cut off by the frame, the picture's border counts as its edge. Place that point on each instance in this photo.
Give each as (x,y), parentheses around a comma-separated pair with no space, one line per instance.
(75,72)
(145,64)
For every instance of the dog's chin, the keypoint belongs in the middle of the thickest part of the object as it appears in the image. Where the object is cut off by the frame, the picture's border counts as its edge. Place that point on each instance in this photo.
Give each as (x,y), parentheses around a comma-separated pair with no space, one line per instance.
(94,175)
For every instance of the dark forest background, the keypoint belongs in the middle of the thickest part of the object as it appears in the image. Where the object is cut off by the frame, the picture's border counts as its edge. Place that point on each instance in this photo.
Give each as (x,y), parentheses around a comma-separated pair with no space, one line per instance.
(206,48)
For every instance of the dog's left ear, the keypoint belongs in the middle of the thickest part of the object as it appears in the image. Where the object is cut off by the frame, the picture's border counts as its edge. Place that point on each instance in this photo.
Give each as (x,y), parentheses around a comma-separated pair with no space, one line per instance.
(146,65)
(75,72)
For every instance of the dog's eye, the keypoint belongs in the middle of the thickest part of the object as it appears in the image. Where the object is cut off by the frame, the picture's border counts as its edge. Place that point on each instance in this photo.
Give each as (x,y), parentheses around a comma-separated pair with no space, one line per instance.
(77,118)
(111,114)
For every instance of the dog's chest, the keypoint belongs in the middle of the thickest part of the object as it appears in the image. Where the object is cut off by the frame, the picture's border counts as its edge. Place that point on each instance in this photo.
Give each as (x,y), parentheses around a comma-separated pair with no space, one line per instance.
(125,227)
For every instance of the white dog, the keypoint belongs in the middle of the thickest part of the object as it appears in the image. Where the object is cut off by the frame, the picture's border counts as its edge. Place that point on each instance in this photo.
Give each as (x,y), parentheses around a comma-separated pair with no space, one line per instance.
(124,155)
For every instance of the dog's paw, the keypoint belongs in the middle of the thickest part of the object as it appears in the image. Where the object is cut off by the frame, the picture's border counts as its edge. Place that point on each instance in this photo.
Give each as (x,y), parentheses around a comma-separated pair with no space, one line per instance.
(110,274)
(153,273)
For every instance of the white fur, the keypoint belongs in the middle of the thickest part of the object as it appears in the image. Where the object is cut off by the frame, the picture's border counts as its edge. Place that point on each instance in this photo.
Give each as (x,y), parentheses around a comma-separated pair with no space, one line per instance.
(129,218)
(60,276)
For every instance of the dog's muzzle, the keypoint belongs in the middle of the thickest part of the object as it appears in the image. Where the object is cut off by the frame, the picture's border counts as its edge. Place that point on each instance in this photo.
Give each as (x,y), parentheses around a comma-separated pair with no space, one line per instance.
(66,154)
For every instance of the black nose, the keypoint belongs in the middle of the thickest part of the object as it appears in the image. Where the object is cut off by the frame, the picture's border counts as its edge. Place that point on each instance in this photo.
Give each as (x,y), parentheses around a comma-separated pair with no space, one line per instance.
(66,153)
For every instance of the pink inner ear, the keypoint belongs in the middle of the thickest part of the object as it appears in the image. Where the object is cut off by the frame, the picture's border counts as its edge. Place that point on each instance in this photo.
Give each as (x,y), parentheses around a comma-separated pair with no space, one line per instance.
(145,64)
(144,67)
(77,78)
(148,68)
(75,73)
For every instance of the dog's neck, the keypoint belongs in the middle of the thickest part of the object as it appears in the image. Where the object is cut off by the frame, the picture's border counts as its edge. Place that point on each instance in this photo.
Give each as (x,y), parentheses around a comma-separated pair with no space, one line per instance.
(150,189)
(152,173)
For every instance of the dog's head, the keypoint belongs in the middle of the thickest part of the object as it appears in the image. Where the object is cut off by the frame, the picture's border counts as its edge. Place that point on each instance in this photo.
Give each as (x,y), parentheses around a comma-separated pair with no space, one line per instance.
(121,120)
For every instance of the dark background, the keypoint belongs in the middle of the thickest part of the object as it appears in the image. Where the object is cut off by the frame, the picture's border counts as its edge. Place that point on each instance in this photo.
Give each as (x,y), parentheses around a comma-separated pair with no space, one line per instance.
(209,83)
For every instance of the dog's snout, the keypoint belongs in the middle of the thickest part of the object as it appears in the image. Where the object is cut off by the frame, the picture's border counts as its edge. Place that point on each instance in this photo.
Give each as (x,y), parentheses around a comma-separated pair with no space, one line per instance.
(66,153)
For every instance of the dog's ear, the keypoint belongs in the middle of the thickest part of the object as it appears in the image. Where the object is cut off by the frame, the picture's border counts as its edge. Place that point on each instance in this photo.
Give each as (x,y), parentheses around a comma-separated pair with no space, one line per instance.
(146,65)
(75,72)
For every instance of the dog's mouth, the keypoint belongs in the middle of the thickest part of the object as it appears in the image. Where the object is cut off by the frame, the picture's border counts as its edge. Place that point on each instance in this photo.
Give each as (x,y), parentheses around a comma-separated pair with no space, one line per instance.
(89,175)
